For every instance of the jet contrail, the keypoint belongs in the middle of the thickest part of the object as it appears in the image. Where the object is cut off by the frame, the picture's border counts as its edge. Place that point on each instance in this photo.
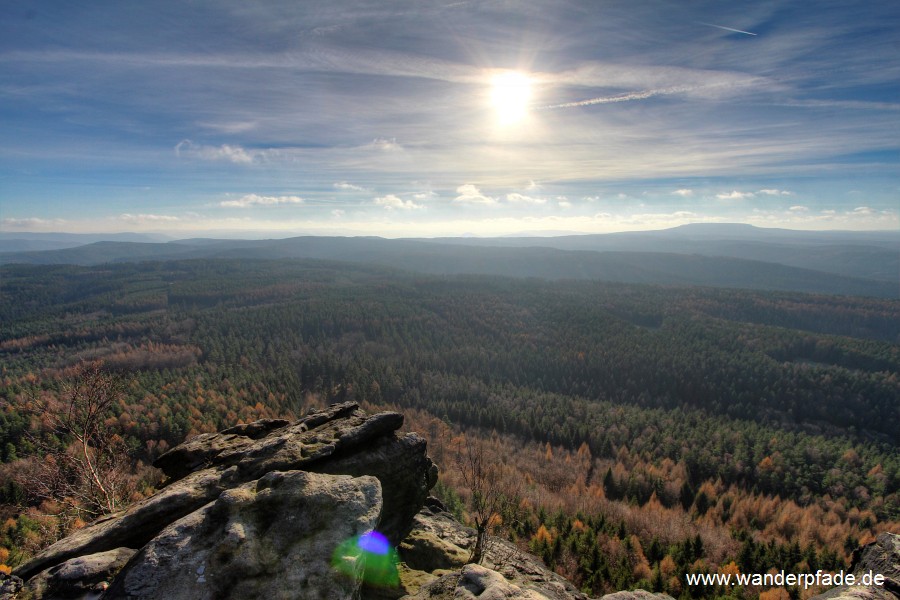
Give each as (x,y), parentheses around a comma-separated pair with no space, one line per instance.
(621,98)
(727,28)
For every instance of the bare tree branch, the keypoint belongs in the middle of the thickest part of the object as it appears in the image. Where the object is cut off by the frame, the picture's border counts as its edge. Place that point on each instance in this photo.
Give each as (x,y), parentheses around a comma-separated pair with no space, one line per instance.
(89,471)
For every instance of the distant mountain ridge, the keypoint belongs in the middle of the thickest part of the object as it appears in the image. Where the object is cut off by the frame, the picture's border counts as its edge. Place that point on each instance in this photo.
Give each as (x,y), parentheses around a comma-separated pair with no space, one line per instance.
(741,256)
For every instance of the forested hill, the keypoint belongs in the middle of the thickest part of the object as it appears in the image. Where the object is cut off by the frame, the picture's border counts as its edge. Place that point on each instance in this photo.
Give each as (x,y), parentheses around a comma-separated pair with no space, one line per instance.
(686,262)
(708,426)
(751,355)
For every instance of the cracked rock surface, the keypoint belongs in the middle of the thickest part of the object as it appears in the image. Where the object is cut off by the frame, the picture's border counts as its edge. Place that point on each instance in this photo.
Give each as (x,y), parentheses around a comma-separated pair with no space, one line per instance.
(246,503)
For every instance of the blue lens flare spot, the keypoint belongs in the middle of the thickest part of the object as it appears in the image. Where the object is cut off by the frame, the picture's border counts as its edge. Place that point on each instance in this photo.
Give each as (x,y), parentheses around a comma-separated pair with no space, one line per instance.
(374,542)
(369,558)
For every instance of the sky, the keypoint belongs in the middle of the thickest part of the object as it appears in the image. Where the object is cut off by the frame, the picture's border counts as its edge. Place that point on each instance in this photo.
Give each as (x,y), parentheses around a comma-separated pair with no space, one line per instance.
(433,118)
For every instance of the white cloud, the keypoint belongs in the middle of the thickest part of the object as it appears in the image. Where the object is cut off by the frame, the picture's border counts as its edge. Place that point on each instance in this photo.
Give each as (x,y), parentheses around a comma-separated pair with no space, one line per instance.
(517,198)
(343,185)
(684,193)
(141,219)
(249,200)
(735,195)
(392,202)
(387,145)
(470,194)
(799,209)
(776,192)
(424,195)
(862,210)
(532,186)
(230,127)
(338,213)
(29,223)
(226,152)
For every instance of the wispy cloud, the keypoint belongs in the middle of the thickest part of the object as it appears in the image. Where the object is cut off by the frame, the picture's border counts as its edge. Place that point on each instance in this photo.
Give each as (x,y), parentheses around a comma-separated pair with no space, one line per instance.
(517,198)
(230,127)
(332,106)
(144,219)
(249,200)
(386,145)
(735,195)
(392,202)
(225,152)
(29,223)
(470,194)
(349,187)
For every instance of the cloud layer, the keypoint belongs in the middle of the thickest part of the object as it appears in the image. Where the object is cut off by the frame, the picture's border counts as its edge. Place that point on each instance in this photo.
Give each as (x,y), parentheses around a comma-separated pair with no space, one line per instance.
(178,114)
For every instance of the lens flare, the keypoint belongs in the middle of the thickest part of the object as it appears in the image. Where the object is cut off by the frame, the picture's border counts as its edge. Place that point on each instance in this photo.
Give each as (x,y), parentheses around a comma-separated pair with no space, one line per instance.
(368,557)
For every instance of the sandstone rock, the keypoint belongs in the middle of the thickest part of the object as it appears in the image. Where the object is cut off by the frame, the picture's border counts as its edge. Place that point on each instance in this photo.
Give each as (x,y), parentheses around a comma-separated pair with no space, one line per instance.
(9,586)
(506,569)
(340,440)
(880,557)
(636,595)
(138,524)
(273,538)
(475,581)
(78,576)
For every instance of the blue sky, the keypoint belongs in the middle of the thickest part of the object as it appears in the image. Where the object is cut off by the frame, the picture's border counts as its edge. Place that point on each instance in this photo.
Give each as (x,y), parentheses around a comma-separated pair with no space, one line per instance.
(398,119)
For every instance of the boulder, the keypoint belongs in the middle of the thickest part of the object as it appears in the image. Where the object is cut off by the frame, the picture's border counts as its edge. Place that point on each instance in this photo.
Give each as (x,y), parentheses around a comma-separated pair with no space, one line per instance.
(272,538)
(636,595)
(9,586)
(79,576)
(475,581)
(880,557)
(504,570)
(339,440)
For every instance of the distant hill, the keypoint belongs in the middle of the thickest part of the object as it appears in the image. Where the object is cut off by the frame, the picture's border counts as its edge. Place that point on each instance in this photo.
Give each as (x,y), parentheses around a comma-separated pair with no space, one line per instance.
(31,242)
(867,254)
(655,257)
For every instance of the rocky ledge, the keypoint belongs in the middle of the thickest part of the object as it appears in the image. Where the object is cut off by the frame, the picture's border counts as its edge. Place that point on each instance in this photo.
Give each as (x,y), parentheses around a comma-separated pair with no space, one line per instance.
(881,557)
(324,507)
(254,511)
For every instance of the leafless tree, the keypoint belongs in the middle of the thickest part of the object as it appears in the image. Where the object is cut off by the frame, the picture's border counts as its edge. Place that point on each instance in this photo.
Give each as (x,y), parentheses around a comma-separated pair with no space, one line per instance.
(87,466)
(489,496)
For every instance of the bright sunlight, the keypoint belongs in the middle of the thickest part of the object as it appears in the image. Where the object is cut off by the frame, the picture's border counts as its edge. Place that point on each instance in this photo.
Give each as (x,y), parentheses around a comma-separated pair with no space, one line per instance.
(510,96)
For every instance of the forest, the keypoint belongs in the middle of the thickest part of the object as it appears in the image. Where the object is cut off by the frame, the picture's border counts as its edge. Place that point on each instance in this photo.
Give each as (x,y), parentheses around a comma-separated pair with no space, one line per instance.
(642,431)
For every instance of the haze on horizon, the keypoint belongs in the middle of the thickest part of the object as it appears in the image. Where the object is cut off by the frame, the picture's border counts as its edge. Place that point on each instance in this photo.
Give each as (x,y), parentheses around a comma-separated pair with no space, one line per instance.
(427,118)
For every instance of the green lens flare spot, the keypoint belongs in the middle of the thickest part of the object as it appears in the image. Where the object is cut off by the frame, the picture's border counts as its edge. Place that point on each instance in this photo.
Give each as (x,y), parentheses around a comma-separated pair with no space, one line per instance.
(368,557)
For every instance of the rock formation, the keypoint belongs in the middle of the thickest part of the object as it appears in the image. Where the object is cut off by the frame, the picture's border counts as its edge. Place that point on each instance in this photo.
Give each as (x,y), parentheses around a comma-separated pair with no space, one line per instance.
(257,510)
(434,556)
(880,557)
(334,505)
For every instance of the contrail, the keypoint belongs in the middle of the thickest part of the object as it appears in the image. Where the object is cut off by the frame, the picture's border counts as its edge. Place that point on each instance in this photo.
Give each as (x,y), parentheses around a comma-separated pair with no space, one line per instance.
(621,98)
(727,28)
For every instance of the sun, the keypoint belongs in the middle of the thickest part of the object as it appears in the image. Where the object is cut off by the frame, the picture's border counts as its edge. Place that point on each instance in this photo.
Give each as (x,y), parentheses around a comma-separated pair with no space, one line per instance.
(510,96)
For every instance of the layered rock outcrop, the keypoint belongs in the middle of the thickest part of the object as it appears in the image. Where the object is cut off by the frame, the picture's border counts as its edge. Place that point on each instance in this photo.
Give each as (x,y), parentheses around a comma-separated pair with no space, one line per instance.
(434,556)
(881,557)
(257,510)
(312,509)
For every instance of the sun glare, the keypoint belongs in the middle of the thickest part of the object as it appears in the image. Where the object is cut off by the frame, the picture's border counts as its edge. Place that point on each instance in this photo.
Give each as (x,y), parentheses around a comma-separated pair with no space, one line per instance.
(510,96)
